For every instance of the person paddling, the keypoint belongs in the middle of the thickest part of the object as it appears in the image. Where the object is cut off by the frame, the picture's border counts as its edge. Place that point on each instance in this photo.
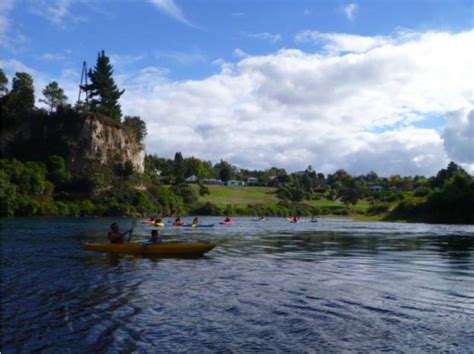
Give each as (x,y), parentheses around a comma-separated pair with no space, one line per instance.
(195,221)
(115,236)
(155,237)
(178,222)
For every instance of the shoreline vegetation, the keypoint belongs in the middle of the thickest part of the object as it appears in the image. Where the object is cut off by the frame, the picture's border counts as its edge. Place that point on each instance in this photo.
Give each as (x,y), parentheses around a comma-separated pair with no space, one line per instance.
(87,160)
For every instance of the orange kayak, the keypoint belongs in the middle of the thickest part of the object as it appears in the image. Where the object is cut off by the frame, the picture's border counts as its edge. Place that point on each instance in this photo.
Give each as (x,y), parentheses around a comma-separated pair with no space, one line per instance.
(159,249)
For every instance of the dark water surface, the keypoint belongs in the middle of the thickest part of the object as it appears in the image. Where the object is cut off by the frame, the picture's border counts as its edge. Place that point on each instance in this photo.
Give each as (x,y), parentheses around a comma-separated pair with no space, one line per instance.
(272,286)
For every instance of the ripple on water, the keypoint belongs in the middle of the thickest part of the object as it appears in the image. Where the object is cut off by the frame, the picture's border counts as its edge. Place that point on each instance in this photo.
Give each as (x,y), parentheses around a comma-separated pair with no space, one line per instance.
(335,285)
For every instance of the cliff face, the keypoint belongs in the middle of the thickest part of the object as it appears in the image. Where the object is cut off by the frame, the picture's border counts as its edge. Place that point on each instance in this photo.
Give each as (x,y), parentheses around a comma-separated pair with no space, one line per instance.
(102,142)
(82,140)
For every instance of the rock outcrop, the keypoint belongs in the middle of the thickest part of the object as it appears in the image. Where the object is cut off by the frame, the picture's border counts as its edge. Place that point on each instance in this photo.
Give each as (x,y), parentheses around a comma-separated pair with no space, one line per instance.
(103,142)
(83,140)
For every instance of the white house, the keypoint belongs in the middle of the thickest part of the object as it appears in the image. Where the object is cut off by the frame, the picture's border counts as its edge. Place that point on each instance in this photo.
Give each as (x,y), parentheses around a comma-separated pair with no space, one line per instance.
(234,182)
(192,179)
(252,180)
(376,189)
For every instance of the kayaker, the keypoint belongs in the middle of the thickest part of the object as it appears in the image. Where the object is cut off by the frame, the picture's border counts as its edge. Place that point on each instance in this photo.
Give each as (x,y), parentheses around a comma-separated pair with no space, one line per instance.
(227,219)
(155,237)
(115,236)
(158,221)
(195,221)
(178,222)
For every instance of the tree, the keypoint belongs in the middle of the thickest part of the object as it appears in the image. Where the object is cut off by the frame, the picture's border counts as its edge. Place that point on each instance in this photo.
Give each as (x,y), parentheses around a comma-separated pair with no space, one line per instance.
(292,191)
(136,126)
(54,96)
(57,170)
(349,192)
(225,171)
(102,91)
(3,83)
(178,168)
(22,93)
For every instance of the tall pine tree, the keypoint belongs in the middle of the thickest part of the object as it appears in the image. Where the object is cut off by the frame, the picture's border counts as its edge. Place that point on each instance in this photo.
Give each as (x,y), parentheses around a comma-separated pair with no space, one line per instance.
(102,92)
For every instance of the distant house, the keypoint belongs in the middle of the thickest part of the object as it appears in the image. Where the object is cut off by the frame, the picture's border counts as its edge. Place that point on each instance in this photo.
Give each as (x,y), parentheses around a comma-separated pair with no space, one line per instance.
(377,189)
(299,173)
(252,180)
(192,179)
(234,182)
(212,181)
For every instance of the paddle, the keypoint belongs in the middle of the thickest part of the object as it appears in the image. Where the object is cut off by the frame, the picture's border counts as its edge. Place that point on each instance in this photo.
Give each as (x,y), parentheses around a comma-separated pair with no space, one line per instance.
(134,223)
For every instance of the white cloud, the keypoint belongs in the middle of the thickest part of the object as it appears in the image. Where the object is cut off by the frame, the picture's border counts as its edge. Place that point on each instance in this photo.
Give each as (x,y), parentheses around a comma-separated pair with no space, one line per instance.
(459,136)
(356,111)
(56,56)
(343,42)
(350,11)
(332,111)
(239,53)
(58,12)
(124,60)
(171,9)
(5,7)
(267,36)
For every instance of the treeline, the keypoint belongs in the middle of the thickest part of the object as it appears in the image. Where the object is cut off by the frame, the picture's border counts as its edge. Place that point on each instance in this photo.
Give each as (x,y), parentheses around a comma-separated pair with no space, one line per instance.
(40,181)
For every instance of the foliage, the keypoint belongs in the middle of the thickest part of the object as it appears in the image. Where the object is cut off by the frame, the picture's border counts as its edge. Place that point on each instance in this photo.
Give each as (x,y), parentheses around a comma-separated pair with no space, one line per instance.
(53,96)
(454,203)
(23,92)
(226,172)
(178,169)
(102,92)
(136,126)
(17,103)
(3,83)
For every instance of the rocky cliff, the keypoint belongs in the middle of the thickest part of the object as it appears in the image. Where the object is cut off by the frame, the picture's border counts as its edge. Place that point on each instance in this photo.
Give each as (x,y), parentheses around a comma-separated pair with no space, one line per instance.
(83,140)
(103,142)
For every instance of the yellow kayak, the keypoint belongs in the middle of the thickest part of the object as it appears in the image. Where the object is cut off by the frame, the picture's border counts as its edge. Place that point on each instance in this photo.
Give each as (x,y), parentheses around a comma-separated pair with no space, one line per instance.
(159,224)
(159,249)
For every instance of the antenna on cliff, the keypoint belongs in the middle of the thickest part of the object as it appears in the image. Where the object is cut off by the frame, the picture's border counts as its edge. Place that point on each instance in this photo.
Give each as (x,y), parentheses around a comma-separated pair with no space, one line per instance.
(83,83)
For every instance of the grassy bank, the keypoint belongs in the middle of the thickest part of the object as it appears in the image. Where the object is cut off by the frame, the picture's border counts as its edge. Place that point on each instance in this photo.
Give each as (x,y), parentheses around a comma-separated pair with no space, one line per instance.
(251,200)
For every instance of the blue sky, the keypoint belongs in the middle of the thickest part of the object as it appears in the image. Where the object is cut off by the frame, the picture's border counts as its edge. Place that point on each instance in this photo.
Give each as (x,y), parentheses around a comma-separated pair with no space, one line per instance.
(254,67)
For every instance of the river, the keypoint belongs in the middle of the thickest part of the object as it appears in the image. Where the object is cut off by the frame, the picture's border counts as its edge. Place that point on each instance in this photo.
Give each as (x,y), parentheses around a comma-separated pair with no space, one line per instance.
(271,286)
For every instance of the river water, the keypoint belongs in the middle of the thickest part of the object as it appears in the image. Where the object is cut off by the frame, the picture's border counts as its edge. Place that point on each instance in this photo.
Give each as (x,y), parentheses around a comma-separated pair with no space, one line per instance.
(272,286)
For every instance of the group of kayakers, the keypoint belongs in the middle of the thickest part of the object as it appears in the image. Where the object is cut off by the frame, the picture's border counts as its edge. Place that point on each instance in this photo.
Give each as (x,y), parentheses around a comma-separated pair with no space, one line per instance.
(116,236)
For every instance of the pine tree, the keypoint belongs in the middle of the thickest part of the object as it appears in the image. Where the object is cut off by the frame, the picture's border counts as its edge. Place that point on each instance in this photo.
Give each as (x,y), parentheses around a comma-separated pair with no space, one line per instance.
(54,96)
(102,91)
(22,93)
(178,168)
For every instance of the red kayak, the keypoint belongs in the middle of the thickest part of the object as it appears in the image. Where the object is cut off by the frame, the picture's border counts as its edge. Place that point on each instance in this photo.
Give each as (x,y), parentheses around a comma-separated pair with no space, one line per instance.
(230,222)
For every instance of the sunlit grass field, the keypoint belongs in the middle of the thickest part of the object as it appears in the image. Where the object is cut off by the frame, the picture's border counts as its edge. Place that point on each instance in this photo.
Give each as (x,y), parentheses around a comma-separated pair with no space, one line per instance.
(244,195)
